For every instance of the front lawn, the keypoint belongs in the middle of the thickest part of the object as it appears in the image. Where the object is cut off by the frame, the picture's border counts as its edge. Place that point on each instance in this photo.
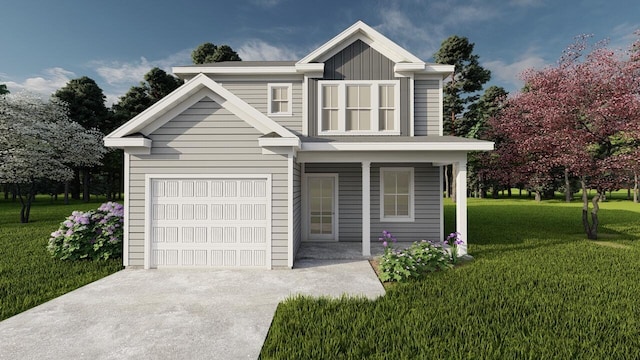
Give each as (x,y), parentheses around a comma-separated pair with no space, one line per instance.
(28,274)
(537,289)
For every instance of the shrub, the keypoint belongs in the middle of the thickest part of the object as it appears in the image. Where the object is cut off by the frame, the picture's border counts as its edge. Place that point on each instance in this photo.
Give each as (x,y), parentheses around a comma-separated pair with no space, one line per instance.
(95,234)
(419,258)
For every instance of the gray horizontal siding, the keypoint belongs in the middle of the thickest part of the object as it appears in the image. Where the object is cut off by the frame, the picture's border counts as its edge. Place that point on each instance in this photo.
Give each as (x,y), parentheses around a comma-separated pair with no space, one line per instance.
(427,205)
(256,94)
(207,139)
(427,202)
(426,107)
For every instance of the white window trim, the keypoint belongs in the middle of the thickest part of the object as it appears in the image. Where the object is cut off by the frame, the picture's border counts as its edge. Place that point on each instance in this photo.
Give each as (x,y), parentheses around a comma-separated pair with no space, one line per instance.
(411,216)
(270,88)
(375,107)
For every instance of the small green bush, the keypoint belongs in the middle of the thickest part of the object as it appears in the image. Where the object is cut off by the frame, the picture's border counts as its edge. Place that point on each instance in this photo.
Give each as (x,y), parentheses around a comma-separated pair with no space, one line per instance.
(95,234)
(419,258)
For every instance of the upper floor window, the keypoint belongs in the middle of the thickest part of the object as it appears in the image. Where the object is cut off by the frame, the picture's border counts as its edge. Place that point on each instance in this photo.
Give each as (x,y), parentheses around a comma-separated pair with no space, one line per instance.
(359,107)
(279,99)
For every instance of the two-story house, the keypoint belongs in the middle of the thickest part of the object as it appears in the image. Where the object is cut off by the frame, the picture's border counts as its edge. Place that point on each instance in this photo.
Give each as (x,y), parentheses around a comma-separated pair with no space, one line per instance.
(247,160)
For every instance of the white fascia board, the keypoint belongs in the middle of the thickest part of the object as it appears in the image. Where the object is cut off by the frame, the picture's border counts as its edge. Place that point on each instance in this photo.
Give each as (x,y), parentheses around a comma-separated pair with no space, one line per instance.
(409,67)
(378,41)
(441,69)
(163,105)
(221,95)
(235,70)
(311,70)
(413,146)
(289,141)
(127,142)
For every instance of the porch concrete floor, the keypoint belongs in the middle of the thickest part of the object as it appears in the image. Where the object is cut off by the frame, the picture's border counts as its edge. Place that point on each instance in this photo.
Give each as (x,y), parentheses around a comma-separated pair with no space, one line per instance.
(329,250)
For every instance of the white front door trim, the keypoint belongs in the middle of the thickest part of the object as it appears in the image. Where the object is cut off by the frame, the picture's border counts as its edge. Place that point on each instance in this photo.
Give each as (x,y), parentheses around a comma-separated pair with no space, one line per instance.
(307,207)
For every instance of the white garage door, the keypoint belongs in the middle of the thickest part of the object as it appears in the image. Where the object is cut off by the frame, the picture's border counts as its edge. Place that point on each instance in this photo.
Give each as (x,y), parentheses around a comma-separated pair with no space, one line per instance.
(210,222)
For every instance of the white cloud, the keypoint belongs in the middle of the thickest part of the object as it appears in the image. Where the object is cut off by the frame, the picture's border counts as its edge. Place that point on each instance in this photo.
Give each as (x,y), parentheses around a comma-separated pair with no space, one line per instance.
(510,73)
(425,37)
(260,50)
(266,3)
(46,84)
(130,73)
(397,25)
(527,3)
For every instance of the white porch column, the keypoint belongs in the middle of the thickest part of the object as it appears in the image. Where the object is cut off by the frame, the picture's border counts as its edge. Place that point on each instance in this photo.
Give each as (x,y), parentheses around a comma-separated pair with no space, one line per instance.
(366,208)
(461,205)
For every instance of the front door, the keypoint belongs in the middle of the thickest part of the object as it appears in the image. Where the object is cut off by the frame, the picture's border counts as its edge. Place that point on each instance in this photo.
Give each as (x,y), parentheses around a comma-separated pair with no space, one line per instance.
(322,200)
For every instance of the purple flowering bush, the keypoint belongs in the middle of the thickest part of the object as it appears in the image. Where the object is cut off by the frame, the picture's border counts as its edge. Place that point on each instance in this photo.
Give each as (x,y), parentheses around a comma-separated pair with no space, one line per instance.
(419,258)
(95,234)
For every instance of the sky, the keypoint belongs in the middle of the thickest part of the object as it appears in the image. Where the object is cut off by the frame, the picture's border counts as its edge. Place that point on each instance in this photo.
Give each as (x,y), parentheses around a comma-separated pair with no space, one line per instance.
(44,43)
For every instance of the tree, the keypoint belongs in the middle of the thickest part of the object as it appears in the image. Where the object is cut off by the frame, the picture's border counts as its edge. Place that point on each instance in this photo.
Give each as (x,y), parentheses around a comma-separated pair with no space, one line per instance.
(156,85)
(3,89)
(39,142)
(209,53)
(467,79)
(580,118)
(85,101)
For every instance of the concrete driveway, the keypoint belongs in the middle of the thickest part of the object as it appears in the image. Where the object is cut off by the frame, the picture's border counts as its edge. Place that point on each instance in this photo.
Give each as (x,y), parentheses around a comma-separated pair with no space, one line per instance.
(174,314)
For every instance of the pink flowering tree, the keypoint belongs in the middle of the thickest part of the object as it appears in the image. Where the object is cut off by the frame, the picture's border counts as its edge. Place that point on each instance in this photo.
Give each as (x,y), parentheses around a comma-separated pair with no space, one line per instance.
(580,118)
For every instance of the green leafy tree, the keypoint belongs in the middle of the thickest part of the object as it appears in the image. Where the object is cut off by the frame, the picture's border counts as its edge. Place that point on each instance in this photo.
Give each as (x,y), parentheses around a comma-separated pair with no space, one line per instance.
(468,78)
(156,85)
(3,89)
(86,104)
(474,122)
(466,81)
(210,53)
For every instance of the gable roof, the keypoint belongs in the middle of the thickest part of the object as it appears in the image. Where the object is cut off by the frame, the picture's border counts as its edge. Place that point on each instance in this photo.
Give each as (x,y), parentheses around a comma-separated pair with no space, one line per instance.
(364,32)
(186,95)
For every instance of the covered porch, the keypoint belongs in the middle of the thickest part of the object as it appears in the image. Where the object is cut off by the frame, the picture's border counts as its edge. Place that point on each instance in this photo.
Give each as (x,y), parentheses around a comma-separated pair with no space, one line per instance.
(366,219)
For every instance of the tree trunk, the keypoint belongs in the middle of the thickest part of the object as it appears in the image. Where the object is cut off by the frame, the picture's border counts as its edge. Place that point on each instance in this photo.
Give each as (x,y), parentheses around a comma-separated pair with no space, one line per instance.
(591,229)
(66,192)
(85,184)
(636,191)
(75,185)
(509,191)
(538,196)
(25,210)
(567,186)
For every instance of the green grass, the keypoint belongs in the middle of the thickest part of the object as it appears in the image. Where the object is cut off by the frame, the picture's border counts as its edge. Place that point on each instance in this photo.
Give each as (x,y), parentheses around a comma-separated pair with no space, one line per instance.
(537,289)
(28,275)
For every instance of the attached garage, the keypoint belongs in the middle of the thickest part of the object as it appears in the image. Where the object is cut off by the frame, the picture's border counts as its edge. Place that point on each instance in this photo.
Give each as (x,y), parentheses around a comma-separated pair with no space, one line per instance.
(209,221)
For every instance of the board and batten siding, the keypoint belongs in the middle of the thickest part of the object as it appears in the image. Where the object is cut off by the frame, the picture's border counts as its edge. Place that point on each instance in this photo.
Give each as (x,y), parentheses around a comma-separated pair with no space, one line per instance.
(426,107)
(427,202)
(359,61)
(256,94)
(207,139)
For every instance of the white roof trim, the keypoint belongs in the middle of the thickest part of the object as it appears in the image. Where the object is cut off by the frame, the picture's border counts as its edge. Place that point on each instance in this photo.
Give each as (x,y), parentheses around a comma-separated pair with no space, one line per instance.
(235,70)
(221,95)
(127,142)
(270,141)
(398,146)
(364,32)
